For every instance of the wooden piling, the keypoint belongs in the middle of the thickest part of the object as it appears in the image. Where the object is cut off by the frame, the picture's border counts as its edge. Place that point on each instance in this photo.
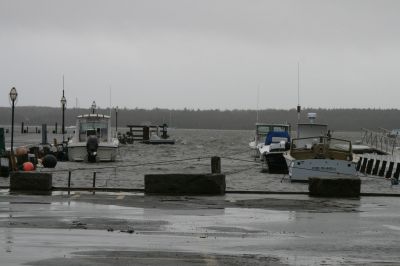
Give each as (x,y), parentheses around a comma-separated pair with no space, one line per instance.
(22,127)
(44,134)
(94,183)
(69,182)
(390,170)
(376,167)
(215,165)
(383,168)
(359,164)
(369,166)
(397,172)
(364,165)
(146,133)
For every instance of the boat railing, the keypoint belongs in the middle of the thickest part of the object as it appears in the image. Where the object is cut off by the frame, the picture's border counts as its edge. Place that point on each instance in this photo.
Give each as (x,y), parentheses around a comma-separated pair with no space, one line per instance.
(380,140)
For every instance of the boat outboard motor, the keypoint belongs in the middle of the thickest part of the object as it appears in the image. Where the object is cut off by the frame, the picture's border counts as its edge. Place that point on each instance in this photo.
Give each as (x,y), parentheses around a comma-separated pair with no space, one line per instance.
(92,144)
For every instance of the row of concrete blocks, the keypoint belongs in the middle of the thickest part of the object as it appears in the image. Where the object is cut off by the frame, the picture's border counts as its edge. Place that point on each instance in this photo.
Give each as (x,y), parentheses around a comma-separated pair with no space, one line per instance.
(190,184)
(374,167)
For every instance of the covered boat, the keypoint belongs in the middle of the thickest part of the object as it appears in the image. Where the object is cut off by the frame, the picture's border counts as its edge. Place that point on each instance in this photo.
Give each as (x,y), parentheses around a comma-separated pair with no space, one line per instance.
(271,152)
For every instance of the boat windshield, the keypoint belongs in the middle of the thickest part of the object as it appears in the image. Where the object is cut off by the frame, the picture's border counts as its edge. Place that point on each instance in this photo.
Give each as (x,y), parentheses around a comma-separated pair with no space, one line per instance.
(97,128)
(263,130)
(333,144)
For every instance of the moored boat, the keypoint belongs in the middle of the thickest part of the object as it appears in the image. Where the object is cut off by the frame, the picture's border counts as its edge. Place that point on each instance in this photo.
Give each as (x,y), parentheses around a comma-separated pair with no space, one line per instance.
(93,140)
(261,132)
(315,153)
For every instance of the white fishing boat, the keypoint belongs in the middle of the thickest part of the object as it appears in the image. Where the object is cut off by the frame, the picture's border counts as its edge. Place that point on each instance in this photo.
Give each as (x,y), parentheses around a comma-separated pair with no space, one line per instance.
(271,151)
(261,132)
(93,140)
(315,153)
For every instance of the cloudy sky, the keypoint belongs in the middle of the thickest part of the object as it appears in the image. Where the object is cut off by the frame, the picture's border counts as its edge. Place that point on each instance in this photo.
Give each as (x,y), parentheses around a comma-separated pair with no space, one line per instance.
(201,53)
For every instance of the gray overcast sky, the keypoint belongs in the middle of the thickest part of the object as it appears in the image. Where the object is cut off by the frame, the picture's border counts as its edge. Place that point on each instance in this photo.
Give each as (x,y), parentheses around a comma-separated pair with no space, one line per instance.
(201,53)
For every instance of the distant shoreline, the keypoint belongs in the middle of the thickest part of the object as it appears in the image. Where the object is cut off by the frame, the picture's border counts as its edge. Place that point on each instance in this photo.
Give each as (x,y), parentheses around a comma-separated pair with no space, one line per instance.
(337,119)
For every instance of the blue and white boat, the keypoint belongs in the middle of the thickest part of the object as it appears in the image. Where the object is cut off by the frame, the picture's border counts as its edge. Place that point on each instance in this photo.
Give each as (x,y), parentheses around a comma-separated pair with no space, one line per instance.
(272,150)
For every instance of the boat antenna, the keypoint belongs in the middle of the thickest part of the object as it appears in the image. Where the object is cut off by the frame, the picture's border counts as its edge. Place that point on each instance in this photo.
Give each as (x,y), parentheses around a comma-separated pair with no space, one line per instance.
(298,97)
(258,102)
(110,101)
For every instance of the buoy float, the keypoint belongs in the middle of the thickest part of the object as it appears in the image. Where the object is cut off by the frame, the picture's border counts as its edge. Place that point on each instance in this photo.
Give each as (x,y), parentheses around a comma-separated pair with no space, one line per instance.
(28,166)
(49,161)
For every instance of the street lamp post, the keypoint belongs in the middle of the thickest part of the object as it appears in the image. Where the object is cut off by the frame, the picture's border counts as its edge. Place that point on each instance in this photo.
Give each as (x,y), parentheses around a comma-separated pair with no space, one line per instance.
(93,107)
(63,104)
(116,119)
(13,98)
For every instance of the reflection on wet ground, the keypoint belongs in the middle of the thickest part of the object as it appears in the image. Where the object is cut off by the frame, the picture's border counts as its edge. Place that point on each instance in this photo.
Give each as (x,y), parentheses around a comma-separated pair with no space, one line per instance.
(86,229)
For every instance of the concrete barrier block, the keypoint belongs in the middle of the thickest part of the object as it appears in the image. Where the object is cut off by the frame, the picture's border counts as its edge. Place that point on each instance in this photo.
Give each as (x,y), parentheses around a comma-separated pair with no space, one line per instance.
(185,184)
(334,186)
(31,182)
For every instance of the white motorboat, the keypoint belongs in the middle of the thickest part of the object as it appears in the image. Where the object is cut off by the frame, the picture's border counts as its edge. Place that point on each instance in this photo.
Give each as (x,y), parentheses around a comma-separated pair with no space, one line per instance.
(92,140)
(272,150)
(314,153)
(261,133)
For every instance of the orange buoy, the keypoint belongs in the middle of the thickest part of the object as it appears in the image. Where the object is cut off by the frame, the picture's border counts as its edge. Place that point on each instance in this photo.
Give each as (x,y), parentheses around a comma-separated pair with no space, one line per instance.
(28,166)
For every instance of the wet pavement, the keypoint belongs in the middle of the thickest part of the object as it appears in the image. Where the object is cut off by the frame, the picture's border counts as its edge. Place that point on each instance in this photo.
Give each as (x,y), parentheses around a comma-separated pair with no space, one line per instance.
(235,229)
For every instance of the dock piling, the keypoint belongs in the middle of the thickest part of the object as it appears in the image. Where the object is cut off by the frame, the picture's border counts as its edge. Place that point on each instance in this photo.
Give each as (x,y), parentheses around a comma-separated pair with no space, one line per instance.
(369,166)
(69,182)
(94,183)
(215,165)
(390,170)
(376,167)
(383,168)
(364,165)
(359,164)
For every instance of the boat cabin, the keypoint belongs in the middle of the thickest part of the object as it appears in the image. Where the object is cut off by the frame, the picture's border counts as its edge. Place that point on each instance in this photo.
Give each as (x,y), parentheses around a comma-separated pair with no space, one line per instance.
(98,125)
(262,130)
(323,147)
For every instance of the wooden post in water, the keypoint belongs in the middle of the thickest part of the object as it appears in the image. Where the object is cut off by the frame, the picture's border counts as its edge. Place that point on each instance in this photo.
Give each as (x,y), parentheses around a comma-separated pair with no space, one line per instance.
(69,182)
(215,165)
(359,164)
(364,165)
(369,166)
(376,167)
(383,168)
(44,134)
(55,128)
(94,183)
(146,133)
(22,127)
(390,170)
(397,172)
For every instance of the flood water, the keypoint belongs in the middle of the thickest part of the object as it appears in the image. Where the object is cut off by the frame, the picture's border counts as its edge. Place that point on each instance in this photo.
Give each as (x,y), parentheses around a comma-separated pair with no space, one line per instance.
(190,154)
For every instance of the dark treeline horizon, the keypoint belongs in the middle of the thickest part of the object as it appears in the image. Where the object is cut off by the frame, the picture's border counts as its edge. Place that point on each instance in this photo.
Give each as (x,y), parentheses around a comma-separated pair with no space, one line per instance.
(346,119)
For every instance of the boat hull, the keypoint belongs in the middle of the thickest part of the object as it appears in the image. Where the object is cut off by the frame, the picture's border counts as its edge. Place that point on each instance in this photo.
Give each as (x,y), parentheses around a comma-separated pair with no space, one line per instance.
(301,170)
(78,153)
(275,163)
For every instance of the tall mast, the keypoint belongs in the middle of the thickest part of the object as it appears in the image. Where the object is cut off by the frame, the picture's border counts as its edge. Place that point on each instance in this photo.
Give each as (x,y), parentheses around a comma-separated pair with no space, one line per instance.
(258,102)
(298,97)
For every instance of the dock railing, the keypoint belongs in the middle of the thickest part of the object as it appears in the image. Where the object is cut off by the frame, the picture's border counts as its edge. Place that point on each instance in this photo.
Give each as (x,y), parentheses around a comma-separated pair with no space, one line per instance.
(380,140)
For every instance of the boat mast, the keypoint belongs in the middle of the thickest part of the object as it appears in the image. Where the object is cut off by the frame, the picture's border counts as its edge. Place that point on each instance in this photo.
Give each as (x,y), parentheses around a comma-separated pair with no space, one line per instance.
(258,102)
(298,97)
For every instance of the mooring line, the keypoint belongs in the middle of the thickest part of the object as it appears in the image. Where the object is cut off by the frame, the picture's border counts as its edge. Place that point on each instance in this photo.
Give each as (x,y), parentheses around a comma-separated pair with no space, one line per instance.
(123,166)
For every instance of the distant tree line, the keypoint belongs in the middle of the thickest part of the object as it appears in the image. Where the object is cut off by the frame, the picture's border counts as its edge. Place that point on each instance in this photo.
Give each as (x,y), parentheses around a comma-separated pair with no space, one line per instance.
(337,119)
